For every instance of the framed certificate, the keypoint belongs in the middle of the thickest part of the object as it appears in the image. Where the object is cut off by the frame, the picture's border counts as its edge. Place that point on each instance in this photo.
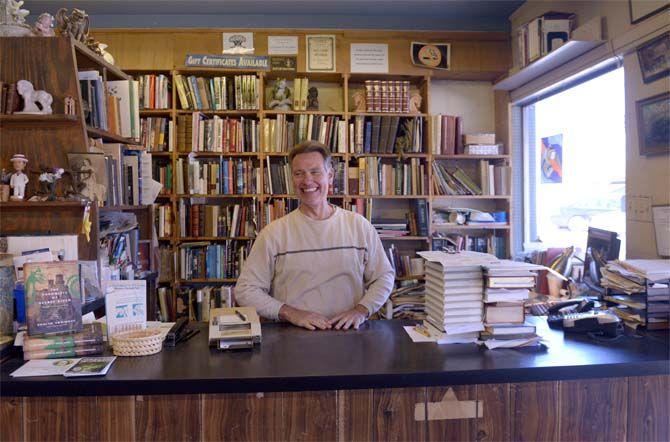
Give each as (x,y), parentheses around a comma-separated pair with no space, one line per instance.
(320,53)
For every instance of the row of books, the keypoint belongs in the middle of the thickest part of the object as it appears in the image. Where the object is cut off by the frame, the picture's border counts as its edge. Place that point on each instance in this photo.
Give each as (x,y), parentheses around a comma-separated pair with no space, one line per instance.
(300,90)
(387,95)
(483,243)
(127,174)
(376,176)
(278,207)
(387,134)
(198,219)
(540,36)
(114,109)
(155,91)
(163,220)
(203,260)
(280,135)
(162,172)
(218,134)
(447,134)
(453,182)
(496,179)
(221,176)
(10,100)
(156,134)
(239,92)
(278,178)
(196,303)
(166,264)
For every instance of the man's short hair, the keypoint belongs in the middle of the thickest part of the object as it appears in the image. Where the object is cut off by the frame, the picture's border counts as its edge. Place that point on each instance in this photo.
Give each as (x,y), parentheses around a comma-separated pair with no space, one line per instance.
(312,146)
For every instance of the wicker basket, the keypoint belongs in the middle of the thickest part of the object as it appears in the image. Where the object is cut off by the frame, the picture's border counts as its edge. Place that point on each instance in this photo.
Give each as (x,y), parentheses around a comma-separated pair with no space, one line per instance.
(138,342)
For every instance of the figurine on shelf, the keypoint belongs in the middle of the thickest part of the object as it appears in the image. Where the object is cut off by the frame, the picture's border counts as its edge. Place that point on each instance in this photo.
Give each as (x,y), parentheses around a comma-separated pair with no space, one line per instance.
(44,25)
(359,101)
(48,180)
(415,104)
(19,179)
(35,102)
(313,99)
(13,19)
(75,25)
(109,58)
(281,96)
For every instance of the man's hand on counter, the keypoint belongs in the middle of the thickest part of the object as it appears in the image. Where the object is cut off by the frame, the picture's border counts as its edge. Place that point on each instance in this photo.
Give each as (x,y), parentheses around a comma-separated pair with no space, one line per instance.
(304,318)
(351,318)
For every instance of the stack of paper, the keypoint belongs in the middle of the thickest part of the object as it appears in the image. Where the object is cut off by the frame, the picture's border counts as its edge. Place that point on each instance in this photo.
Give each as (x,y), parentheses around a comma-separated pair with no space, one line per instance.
(454,290)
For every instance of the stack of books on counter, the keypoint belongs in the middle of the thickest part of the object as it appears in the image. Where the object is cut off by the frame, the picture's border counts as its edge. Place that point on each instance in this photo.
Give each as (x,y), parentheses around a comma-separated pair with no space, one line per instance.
(508,285)
(454,290)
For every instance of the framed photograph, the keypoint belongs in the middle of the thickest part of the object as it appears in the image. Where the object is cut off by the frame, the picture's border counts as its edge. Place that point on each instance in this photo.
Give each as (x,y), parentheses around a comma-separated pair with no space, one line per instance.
(320,53)
(654,58)
(91,174)
(643,9)
(653,124)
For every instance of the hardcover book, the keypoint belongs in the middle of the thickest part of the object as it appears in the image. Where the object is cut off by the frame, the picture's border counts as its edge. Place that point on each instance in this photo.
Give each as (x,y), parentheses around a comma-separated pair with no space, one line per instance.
(90,335)
(53,297)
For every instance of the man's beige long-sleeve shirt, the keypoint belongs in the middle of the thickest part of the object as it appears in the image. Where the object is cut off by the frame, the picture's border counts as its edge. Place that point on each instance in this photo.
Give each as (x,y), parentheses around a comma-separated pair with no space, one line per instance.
(325,266)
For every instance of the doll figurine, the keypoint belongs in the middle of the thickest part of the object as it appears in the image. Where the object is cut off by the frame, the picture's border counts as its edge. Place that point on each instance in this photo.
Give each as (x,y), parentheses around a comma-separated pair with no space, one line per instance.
(44,26)
(19,179)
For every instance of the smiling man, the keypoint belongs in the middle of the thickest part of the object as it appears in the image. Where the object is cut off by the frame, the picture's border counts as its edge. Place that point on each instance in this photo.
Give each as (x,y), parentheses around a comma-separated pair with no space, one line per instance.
(320,266)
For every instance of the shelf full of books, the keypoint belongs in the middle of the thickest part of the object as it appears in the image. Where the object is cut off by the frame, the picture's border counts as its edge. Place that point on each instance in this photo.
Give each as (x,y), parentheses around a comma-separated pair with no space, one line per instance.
(221,149)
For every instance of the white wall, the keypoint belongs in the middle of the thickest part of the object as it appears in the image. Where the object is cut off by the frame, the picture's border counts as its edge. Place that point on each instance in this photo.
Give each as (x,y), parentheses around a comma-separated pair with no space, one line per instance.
(473,100)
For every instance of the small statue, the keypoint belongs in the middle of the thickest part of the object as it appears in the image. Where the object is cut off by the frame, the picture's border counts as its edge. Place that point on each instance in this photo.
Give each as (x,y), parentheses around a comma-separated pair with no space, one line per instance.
(281,96)
(43,27)
(75,25)
(35,102)
(313,99)
(359,101)
(49,179)
(415,104)
(109,58)
(19,179)
(13,19)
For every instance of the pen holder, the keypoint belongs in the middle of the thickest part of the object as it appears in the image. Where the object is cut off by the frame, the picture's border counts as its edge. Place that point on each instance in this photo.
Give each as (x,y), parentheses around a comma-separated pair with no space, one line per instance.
(138,342)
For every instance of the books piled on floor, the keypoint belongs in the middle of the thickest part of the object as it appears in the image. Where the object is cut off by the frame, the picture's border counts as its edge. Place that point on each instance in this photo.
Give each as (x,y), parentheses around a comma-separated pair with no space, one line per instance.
(639,290)
(508,285)
(454,290)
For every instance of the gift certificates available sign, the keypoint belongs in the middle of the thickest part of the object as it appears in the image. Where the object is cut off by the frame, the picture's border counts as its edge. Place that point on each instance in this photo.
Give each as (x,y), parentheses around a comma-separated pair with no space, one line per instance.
(253,62)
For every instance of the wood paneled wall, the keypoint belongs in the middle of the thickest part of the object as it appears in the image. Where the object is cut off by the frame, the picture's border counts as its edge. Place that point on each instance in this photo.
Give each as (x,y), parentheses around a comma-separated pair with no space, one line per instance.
(608,409)
(474,55)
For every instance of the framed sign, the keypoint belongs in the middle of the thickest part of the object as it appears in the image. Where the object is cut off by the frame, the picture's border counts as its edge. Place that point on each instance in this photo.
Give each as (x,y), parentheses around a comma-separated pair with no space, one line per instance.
(320,53)
(643,9)
(653,124)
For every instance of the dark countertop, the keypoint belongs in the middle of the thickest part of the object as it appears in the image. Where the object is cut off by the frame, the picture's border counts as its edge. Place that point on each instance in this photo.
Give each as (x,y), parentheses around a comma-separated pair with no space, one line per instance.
(379,355)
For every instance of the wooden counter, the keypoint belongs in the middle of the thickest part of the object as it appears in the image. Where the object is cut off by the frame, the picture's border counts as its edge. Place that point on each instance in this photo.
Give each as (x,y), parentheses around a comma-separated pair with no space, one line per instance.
(370,384)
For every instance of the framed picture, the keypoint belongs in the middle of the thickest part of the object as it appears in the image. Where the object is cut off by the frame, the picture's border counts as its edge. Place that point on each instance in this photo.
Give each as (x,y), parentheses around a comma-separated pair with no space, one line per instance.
(91,174)
(643,9)
(653,124)
(654,58)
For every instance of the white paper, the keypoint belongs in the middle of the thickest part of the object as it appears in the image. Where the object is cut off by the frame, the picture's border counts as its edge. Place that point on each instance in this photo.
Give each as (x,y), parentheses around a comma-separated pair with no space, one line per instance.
(44,367)
(661,217)
(125,306)
(67,243)
(282,45)
(238,42)
(415,336)
(369,58)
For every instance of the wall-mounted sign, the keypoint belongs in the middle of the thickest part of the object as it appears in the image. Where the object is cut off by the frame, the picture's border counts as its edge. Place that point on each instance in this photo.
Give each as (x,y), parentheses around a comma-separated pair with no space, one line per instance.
(252,62)
(320,53)
(369,58)
(431,55)
(283,63)
(282,44)
(238,42)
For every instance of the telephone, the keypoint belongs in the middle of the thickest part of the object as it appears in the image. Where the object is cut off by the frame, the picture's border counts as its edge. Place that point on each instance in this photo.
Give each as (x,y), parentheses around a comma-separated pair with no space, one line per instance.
(597,321)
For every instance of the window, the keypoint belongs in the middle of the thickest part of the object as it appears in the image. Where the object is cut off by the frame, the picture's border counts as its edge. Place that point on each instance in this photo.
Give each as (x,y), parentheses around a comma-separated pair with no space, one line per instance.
(574,154)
